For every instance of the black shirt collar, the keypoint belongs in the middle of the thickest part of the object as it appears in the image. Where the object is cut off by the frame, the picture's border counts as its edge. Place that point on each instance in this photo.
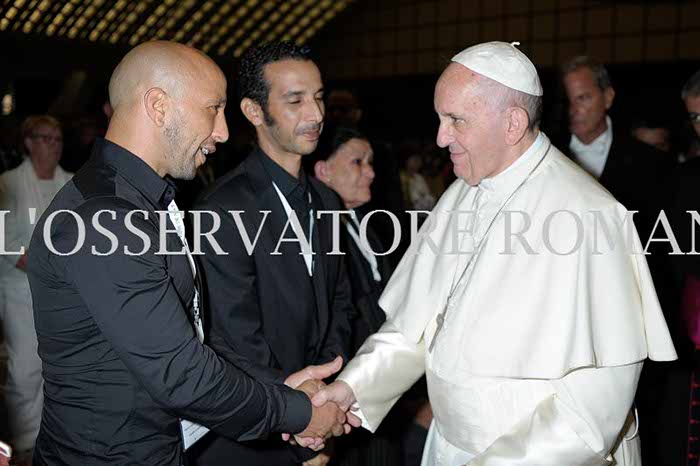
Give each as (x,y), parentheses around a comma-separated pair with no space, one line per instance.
(289,185)
(137,172)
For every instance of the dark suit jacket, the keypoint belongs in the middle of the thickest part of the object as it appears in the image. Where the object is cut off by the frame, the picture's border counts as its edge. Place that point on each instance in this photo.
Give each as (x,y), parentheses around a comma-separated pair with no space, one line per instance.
(365,290)
(266,315)
(685,188)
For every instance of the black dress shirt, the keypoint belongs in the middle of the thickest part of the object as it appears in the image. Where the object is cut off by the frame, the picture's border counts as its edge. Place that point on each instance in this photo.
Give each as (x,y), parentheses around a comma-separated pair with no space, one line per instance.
(121,361)
(295,190)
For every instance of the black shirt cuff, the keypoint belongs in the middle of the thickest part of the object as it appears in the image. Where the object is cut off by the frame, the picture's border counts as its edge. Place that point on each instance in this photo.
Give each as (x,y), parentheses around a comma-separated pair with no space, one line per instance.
(298,412)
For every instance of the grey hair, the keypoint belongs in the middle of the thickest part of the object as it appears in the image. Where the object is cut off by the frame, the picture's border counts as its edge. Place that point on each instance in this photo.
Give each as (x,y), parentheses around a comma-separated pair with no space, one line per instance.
(505,97)
(532,104)
(691,88)
(600,73)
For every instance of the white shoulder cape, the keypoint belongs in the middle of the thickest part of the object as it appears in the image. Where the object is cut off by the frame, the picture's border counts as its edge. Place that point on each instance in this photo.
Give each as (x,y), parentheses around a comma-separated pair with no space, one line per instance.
(536,315)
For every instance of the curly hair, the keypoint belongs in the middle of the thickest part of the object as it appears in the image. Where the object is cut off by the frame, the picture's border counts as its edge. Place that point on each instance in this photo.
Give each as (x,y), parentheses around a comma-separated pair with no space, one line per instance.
(251,78)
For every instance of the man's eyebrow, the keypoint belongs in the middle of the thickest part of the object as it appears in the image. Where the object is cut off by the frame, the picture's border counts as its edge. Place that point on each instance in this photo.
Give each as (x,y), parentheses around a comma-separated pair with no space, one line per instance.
(293,94)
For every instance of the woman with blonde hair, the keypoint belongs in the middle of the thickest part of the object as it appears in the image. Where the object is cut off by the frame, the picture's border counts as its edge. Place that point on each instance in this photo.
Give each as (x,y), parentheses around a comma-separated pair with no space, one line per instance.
(26,192)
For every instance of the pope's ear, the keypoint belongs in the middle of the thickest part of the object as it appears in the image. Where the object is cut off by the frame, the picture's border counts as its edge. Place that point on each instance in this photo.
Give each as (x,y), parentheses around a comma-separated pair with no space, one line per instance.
(517,122)
(252,111)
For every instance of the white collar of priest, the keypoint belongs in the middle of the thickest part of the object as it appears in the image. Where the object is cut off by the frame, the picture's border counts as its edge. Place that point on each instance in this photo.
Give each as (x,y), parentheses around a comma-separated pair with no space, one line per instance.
(516,172)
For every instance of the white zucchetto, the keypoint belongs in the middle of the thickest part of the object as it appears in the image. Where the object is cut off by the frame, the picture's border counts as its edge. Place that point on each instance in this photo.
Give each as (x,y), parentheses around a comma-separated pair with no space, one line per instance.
(503,63)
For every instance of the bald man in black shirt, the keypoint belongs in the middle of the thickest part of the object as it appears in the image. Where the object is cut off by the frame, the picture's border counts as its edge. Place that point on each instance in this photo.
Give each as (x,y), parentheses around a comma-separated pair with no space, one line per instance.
(122,361)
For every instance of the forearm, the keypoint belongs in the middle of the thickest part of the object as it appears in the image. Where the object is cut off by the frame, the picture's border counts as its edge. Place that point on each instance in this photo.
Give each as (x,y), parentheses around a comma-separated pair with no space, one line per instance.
(385,366)
(251,409)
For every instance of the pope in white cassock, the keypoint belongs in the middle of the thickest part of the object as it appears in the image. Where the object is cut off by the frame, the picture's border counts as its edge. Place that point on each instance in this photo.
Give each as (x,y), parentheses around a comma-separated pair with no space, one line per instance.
(532,315)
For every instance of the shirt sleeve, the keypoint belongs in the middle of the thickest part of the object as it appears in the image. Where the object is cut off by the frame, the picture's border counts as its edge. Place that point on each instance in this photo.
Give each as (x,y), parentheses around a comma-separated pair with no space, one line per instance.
(579,425)
(385,367)
(134,302)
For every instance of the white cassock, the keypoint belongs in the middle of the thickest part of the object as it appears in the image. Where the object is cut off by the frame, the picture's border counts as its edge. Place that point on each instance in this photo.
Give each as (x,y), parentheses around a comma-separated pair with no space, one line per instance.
(21,190)
(542,343)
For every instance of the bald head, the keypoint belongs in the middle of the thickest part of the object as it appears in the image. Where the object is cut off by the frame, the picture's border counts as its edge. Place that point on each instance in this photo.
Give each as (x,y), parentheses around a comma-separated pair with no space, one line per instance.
(168,102)
(166,65)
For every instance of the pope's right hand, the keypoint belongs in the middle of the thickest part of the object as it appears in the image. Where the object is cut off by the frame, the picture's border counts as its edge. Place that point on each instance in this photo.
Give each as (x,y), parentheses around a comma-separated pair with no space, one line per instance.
(341,394)
(338,392)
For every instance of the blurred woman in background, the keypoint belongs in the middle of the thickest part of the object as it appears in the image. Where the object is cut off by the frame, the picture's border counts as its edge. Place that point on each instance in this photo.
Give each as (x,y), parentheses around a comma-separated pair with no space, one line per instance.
(345,166)
(26,192)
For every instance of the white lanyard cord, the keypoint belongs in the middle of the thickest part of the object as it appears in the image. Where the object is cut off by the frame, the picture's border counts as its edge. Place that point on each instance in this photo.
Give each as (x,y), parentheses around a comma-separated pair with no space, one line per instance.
(308,258)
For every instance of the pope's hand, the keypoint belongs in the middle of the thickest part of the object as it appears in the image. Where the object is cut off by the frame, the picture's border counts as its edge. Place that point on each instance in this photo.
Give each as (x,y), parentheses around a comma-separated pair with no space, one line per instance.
(341,394)
(338,392)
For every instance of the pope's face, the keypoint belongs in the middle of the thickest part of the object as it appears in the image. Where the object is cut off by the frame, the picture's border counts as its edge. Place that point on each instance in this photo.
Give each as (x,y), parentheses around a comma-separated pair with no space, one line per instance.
(471,126)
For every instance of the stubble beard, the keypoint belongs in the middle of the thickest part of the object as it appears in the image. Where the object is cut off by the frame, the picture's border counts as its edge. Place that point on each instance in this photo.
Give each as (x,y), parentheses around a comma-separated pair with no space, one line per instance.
(288,144)
(183,162)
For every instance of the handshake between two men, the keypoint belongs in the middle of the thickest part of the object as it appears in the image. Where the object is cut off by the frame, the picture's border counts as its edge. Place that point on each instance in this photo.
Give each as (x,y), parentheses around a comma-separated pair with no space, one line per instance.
(331,404)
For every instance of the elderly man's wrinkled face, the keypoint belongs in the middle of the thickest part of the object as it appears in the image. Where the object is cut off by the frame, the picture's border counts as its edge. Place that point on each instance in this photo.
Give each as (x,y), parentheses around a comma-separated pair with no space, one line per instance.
(295,108)
(350,172)
(471,124)
(197,123)
(692,104)
(588,104)
(45,145)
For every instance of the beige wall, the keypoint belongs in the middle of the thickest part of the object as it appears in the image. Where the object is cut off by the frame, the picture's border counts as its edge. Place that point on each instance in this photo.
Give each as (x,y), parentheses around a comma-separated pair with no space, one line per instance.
(407,37)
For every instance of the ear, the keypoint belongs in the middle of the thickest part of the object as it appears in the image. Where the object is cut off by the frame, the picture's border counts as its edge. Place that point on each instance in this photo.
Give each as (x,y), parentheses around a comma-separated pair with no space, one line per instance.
(322,171)
(517,122)
(28,142)
(155,101)
(609,96)
(252,111)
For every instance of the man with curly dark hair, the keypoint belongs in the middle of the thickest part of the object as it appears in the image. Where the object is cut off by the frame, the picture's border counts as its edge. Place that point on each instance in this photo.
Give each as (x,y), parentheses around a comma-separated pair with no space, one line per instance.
(278,300)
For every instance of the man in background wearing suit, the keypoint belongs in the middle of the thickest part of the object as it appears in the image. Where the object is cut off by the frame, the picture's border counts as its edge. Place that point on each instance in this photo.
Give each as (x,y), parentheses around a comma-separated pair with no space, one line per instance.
(624,166)
(636,174)
(273,309)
